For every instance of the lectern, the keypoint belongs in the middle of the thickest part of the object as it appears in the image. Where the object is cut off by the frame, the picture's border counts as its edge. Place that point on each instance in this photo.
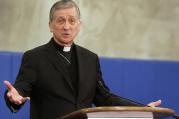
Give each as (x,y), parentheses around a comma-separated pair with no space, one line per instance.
(120,112)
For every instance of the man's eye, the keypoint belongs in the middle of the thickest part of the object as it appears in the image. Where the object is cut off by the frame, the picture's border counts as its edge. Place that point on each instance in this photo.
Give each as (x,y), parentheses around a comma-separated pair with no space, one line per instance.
(72,21)
(61,21)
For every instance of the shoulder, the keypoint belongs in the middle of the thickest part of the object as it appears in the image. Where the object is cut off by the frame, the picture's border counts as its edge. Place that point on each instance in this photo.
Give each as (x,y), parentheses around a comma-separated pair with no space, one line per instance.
(85,51)
(35,52)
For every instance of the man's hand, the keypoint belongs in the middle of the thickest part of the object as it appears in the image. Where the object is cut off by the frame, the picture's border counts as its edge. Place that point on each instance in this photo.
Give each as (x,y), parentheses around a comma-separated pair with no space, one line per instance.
(154,104)
(13,95)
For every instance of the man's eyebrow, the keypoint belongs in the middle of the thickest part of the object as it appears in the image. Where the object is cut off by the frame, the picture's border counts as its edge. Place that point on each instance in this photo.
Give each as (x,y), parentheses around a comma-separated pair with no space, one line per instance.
(60,17)
(64,17)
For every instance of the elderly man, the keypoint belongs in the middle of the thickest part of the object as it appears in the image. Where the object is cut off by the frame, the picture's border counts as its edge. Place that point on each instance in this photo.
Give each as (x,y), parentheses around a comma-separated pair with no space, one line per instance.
(60,76)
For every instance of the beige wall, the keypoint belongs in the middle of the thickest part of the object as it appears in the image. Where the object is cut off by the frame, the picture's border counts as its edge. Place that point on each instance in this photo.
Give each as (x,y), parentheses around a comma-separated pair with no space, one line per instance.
(146,29)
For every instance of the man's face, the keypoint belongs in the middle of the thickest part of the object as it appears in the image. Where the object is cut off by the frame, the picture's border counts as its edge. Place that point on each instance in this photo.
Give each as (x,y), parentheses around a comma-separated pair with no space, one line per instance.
(65,25)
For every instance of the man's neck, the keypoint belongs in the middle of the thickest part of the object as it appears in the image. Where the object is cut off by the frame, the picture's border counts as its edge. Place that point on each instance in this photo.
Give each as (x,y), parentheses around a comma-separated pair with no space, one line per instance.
(63,44)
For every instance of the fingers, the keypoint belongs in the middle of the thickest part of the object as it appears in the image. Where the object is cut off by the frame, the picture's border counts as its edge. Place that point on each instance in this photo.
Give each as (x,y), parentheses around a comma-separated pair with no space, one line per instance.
(154,104)
(21,100)
(157,103)
(17,99)
(8,85)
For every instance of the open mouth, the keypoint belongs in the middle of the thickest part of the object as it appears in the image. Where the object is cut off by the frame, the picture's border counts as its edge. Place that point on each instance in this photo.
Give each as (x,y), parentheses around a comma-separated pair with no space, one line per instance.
(66,34)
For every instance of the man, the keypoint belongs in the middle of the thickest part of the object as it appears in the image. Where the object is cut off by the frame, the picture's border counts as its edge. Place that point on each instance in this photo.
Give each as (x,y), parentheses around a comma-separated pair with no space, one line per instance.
(60,76)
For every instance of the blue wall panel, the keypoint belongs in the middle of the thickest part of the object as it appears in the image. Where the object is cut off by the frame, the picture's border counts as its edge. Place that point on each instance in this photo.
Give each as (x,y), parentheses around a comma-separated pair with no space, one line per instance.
(138,76)
(167,76)
(5,74)
(112,71)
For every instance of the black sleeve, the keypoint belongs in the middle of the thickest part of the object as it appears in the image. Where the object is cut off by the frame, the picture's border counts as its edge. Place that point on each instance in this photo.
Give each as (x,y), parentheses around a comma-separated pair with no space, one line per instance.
(25,80)
(104,97)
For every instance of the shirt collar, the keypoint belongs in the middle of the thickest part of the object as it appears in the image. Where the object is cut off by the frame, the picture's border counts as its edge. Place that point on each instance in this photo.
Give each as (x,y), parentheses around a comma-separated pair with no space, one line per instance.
(62,48)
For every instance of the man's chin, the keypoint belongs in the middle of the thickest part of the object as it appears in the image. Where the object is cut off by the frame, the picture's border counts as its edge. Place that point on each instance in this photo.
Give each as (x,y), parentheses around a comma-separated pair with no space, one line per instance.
(67,41)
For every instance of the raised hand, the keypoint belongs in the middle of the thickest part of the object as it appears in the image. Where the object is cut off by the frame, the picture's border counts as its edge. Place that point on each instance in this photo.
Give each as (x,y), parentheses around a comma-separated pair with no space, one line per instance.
(13,95)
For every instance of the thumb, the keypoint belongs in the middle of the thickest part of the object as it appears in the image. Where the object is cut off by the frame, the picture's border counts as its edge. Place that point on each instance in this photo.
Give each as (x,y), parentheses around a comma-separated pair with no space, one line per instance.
(8,85)
(27,98)
(24,99)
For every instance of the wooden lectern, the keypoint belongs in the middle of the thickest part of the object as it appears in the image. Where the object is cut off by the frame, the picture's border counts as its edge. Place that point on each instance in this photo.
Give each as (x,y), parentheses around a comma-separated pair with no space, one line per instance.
(120,112)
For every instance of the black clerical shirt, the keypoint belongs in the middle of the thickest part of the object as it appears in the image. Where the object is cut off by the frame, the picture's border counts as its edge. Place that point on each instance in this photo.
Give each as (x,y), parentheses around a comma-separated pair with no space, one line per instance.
(70,62)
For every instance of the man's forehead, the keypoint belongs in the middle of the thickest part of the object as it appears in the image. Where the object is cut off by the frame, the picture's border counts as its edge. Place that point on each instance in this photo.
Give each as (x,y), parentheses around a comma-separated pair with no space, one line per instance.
(66,11)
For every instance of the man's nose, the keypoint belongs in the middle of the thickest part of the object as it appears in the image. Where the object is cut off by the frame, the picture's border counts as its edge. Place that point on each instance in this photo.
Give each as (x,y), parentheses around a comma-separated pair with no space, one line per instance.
(66,25)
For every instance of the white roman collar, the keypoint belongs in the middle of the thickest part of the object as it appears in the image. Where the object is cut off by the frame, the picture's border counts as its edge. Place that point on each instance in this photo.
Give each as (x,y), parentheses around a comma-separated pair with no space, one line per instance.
(66,48)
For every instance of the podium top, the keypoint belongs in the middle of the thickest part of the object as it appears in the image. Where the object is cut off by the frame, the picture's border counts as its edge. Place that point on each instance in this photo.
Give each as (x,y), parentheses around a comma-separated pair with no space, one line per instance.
(156,111)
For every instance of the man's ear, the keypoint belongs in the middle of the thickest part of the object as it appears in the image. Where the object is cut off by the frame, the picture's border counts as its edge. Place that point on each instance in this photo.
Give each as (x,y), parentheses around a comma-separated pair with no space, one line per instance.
(80,25)
(50,26)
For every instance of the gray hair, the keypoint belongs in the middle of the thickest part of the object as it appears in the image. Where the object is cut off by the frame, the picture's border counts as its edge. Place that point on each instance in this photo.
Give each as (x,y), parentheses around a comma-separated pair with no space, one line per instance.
(63,4)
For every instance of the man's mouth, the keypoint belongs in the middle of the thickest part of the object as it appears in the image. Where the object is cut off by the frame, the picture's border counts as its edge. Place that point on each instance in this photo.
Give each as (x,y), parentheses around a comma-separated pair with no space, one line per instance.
(66,34)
